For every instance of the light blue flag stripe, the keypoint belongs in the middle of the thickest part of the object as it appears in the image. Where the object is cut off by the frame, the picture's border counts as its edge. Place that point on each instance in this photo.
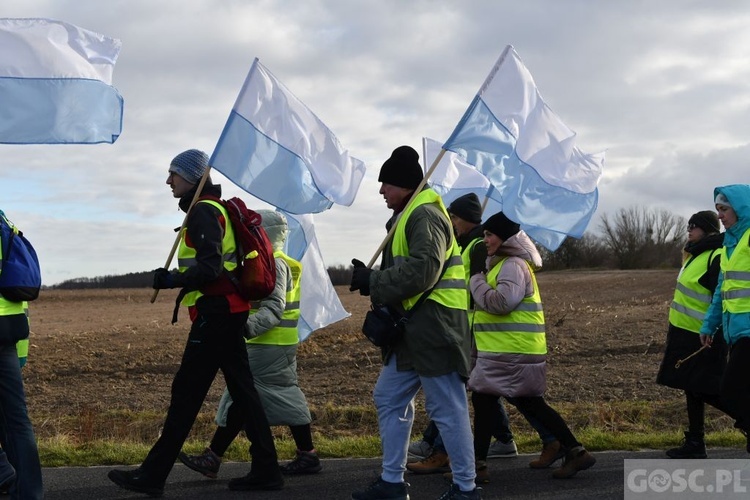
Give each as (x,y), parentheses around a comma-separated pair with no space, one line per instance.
(59,111)
(243,154)
(524,195)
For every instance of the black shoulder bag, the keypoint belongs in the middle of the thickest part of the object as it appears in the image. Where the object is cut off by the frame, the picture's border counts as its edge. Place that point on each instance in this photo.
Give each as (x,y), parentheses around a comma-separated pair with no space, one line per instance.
(384,327)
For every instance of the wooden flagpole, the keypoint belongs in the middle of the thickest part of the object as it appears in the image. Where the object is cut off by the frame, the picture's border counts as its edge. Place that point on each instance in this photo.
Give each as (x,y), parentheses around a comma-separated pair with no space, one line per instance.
(184,221)
(413,196)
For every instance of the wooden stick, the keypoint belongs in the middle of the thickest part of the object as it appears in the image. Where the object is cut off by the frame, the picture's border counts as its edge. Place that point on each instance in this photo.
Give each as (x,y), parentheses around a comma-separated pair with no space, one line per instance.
(184,221)
(414,195)
(680,361)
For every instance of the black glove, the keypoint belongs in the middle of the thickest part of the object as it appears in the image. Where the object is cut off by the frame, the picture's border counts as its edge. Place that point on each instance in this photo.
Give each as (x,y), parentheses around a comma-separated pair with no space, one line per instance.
(163,279)
(360,278)
(476,267)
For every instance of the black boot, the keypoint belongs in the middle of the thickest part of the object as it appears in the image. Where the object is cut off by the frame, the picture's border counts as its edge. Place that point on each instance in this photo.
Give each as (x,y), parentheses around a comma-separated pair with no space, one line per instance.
(692,447)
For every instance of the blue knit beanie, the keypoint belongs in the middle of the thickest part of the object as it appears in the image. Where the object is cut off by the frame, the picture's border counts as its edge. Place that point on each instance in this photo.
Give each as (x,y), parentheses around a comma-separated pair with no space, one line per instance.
(190,165)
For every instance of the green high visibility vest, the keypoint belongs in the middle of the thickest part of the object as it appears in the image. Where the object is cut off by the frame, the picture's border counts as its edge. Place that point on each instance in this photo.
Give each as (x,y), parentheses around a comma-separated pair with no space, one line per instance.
(450,291)
(691,299)
(520,332)
(186,254)
(466,258)
(735,289)
(285,333)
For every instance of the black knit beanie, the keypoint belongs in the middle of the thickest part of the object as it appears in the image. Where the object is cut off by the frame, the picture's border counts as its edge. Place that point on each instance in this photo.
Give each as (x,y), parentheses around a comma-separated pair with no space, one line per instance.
(467,207)
(706,220)
(402,169)
(501,226)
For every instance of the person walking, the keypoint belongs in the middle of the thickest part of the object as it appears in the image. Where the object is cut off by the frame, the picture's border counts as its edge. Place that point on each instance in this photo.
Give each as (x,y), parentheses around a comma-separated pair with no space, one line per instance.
(271,338)
(206,255)
(698,375)
(729,311)
(466,217)
(510,344)
(19,457)
(433,353)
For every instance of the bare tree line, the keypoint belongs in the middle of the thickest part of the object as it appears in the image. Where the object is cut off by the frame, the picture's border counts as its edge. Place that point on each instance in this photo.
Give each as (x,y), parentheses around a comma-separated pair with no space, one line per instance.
(634,238)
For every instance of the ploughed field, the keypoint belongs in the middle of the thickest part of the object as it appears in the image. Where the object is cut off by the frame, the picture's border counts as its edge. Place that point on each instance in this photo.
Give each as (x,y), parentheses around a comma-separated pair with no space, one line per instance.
(101,354)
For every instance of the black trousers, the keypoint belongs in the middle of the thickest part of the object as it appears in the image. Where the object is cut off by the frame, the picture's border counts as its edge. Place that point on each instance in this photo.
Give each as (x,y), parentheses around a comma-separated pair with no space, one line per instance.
(735,384)
(215,343)
(534,406)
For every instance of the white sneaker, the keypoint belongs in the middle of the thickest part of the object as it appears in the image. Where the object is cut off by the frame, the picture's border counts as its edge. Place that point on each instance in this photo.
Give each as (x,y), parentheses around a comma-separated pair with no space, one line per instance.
(419,450)
(498,449)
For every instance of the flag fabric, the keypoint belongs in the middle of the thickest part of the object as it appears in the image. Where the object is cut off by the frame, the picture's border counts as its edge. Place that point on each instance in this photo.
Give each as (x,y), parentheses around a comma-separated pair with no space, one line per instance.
(509,134)
(56,84)
(320,305)
(276,149)
(453,177)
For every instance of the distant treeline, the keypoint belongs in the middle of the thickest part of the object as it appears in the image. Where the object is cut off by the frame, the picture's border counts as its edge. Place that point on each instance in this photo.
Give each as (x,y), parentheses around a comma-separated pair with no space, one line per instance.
(635,238)
(340,275)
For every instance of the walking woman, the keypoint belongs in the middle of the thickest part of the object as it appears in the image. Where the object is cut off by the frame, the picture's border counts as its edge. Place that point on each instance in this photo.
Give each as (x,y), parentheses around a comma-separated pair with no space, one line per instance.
(699,375)
(730,306)
(510,344)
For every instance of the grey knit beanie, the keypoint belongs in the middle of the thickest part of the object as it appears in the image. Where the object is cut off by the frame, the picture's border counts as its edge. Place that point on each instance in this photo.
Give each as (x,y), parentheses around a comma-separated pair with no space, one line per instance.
(190,165)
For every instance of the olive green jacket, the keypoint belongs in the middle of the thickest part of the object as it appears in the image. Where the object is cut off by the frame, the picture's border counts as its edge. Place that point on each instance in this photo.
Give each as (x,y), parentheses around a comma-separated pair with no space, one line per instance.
(437,339)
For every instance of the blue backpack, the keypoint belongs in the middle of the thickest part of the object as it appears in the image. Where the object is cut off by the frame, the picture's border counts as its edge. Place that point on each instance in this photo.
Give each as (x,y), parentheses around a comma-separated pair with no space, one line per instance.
(20,276)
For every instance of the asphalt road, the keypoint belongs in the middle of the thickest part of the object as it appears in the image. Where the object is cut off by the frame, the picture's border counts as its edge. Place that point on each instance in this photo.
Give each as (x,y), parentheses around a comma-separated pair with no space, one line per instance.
(511,478)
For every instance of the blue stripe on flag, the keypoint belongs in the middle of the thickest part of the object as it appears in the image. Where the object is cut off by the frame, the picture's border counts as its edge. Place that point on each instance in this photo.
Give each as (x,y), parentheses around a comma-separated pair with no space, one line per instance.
(59,111)
(243,154)
(524,195)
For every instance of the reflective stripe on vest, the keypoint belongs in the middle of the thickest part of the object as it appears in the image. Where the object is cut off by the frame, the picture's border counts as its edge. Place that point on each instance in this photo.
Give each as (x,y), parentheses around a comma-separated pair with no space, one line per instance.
(735,289)
(520,332)
(450,291)
(186,255)
(285,333)
(691,299)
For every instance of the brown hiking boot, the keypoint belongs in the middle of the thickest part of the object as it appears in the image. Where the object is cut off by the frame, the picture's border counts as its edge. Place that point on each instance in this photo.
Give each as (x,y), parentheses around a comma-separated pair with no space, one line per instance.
(575,460)
(436,463)
(483,474)
(551,453)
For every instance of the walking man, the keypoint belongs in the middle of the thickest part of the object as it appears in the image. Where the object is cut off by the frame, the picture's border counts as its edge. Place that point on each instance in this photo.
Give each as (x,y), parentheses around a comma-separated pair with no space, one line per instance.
(434,351)
(206,255)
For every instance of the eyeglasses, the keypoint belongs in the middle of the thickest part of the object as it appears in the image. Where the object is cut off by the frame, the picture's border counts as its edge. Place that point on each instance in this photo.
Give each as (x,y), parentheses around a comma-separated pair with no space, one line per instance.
(691,227)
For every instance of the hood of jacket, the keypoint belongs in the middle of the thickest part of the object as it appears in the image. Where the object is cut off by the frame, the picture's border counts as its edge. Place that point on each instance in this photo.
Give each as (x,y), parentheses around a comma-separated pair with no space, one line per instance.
(738,196)
(519,245)
(276,227)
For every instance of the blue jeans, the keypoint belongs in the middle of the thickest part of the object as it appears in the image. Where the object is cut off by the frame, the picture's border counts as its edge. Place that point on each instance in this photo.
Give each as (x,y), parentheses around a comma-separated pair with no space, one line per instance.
(446,404)
(16,434)
(501,431)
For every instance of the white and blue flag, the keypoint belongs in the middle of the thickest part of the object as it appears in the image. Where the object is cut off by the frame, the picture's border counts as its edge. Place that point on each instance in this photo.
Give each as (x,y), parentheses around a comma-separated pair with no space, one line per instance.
(56,84)
(319,303)
(276,149)
(540,178)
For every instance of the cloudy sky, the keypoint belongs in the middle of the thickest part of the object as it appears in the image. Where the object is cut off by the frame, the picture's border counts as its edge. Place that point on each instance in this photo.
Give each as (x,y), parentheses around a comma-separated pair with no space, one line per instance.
(662,86)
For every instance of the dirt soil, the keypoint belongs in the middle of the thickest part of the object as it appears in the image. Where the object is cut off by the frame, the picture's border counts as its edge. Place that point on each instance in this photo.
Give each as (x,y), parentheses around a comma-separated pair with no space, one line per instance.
(113,349)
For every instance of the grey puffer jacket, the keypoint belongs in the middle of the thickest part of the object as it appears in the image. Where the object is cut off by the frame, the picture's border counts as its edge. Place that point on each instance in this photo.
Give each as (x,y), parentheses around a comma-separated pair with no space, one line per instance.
(508,374)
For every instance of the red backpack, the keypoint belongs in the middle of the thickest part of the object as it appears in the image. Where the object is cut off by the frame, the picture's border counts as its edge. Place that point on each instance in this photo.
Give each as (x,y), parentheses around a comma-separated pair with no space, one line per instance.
(255,276)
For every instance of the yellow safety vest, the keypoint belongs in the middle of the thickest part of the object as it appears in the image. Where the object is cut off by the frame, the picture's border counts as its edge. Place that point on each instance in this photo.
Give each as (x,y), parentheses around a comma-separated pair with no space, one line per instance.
(186,255)
(466,258)
(450,291)
(735,289)
(285,333)
(520,332)
(691,299)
